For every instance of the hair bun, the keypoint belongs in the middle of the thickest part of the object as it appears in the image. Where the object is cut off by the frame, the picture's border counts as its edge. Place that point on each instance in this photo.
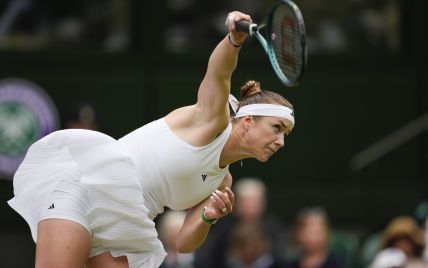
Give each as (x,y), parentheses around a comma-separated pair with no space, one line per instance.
(250,88)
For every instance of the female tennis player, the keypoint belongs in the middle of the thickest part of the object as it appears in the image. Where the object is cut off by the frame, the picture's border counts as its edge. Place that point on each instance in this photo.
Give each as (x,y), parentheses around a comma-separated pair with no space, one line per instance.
(90,200)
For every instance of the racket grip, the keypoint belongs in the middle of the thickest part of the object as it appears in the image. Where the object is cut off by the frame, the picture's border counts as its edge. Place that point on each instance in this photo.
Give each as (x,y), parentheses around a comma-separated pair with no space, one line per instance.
(243,26)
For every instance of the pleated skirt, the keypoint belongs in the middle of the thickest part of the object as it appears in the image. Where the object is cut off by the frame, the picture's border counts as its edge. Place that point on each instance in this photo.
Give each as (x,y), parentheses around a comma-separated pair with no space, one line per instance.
(86,177)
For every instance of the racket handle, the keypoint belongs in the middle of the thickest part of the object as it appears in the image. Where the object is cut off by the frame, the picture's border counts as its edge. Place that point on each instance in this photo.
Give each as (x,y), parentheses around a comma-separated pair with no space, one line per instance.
(243,26)
(246,26)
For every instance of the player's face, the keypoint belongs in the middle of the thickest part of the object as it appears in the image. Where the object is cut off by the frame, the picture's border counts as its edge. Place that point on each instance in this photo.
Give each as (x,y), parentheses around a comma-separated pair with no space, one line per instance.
(267,136)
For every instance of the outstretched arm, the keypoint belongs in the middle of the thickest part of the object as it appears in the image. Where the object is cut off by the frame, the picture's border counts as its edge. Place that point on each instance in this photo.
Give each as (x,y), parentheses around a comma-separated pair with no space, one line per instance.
(200,124)
(194,230)
(214,90)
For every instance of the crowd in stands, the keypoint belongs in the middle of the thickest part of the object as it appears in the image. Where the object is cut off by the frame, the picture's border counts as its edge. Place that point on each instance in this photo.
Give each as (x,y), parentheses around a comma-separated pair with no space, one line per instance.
(252,237)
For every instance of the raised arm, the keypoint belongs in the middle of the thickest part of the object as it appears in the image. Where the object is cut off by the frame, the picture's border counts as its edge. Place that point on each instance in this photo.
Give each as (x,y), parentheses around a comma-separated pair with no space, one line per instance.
(200,124)
(215,88)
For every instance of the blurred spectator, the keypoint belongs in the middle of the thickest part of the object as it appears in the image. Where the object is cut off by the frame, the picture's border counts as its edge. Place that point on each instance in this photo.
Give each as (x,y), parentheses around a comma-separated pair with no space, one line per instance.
(311,235)
(421,214)
(205,21)
(81,115)
(388,258)
(404,233)
(250,247)
(258,9)
(402,244)
(33,24)
(36,24)
(169,226)
(374,24)
(250,208)
(180,33)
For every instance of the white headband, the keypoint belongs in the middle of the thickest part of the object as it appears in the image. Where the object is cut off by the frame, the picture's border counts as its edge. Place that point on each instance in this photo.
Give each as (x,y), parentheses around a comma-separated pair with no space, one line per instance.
(262,109)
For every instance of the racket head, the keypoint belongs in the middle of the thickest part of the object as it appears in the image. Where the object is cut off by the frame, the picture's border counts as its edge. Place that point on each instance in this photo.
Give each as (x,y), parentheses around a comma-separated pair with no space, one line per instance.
(286,42)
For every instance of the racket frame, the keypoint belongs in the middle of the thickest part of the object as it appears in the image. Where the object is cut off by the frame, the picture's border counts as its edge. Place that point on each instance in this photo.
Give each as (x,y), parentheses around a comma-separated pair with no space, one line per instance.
(254,30)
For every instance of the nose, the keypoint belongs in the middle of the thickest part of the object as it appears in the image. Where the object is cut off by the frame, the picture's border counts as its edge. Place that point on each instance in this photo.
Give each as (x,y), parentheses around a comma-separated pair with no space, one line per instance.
(280,141)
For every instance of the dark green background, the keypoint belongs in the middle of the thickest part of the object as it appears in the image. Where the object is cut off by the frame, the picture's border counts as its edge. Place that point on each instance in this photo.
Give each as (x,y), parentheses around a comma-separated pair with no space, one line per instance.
(345,103)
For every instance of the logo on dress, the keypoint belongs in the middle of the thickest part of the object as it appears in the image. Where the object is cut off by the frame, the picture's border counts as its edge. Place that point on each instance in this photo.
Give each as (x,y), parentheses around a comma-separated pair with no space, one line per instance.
(51,206)
(204,177)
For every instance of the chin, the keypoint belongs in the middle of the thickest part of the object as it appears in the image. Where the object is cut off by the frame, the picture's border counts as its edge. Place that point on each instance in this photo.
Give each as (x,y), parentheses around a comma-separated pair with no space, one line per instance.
(263,159)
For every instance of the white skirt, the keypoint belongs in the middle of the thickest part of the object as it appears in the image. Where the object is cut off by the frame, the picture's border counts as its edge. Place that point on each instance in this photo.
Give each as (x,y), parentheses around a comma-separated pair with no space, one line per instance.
(84,176)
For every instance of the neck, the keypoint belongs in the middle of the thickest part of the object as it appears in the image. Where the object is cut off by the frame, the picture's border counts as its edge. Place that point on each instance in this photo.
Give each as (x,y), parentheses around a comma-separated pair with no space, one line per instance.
(234,149)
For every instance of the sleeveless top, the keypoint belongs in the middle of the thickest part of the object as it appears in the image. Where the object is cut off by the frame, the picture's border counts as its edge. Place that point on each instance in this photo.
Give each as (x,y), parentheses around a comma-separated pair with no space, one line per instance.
(172,172)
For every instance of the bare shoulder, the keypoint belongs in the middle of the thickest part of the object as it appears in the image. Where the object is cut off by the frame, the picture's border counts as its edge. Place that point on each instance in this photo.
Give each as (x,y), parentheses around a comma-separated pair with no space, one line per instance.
(182,117)
(189,124)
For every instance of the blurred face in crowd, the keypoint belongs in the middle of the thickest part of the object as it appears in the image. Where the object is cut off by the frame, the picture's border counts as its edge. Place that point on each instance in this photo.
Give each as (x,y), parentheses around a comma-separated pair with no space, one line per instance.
(406,244)
(312,234)
(250,204)
(249,242)
(253,247)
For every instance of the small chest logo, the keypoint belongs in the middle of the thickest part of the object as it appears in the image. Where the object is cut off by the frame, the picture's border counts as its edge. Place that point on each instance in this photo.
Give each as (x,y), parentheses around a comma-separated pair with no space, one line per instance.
(204,177)
(51,206)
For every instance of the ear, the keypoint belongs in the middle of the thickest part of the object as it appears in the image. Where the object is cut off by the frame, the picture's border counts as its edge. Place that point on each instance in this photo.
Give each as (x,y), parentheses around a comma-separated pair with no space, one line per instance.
(248,121)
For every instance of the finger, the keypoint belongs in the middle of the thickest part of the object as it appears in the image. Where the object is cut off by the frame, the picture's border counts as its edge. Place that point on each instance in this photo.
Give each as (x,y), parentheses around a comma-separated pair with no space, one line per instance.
(224,196)
(222,202)
(244,17)
(231,195)
(219,203)
(211,210)
(226,200)
(233,17)
(230,21)
(215,200)
(237,16)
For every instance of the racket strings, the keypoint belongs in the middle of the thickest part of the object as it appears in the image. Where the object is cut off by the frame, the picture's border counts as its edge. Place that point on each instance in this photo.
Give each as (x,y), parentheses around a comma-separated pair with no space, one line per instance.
(286,42)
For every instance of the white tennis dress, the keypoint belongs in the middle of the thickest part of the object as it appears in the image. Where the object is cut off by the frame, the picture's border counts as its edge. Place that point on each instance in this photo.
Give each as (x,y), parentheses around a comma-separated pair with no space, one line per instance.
(116,188)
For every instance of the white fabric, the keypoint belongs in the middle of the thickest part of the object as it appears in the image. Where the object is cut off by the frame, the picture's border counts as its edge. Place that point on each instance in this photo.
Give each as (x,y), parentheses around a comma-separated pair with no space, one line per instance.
(389,257)
(261,109)
(264,109)
(234,103)
(115,189)
(91,163)
(68,200)
(174,173)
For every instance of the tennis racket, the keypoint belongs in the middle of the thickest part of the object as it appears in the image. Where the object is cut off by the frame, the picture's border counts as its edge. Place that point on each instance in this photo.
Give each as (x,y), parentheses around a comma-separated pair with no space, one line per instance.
(285,41)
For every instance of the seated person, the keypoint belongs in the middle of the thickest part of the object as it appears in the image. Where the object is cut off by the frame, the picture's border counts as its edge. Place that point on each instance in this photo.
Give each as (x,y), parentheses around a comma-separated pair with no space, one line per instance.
(311,235)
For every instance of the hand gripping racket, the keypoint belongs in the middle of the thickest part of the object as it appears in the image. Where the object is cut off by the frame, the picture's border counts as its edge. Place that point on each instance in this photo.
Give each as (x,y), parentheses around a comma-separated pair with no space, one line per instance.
(285,41)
